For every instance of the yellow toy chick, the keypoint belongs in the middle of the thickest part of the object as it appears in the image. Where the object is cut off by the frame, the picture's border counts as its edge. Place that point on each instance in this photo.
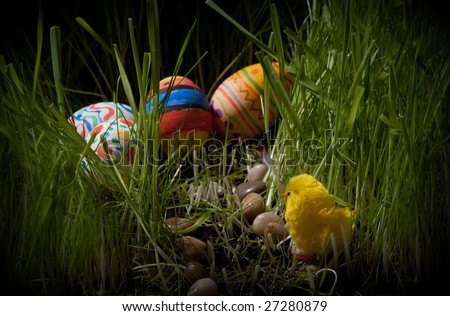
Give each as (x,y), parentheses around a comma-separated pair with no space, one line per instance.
(312,218)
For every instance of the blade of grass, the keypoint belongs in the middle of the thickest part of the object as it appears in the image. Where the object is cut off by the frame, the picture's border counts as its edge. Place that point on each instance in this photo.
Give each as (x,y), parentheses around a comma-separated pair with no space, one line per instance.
(55,42)
(249,35)
(277,88)
(40,36)
(94,34)
(125,81)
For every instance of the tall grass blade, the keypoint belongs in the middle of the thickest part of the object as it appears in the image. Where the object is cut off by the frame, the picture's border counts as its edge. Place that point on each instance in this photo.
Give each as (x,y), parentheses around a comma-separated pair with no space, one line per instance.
(40,36)
(95,35)
(249,35)
(55,42)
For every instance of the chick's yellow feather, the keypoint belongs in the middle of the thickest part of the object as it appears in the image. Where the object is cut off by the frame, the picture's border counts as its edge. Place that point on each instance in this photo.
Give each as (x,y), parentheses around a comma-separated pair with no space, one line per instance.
(312,218)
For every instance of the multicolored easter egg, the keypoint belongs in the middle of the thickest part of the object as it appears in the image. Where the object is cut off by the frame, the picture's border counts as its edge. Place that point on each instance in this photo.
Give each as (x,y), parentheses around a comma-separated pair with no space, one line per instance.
(88,117)
(186,112)
(237,105)
(118,135)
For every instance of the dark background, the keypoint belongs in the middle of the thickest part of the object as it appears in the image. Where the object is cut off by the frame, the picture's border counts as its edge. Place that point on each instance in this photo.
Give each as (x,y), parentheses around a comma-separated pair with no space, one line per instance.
(18,19)
(213,34)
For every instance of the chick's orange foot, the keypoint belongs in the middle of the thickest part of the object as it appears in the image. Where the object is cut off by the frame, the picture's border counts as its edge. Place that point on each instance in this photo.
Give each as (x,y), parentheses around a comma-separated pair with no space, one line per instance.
(308,260)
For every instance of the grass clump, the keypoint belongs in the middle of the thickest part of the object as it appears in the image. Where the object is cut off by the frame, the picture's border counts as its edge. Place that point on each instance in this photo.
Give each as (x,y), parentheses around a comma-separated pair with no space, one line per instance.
(367,116)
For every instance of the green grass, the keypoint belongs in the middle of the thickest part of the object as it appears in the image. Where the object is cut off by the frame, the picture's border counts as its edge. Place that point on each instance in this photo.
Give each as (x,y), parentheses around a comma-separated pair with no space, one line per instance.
(368,116)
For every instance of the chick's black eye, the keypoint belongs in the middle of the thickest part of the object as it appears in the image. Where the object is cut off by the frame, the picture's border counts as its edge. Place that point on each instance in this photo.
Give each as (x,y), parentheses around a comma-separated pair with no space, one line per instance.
(288,193)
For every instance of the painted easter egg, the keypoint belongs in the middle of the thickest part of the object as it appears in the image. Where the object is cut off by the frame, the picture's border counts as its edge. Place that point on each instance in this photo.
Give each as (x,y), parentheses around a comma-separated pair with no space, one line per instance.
(186,113)
(118,135)
(88,117)
(237,105)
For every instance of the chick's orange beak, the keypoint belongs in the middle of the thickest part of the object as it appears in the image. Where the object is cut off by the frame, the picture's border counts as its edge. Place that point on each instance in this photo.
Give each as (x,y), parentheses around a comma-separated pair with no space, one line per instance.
(285,195)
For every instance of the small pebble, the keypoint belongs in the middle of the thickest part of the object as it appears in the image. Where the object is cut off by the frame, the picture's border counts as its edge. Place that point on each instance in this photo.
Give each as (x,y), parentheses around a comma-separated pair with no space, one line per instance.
(276,231)
(247,187)
(252,206)
(191,247)
(257,172)
(260,222)
(194,270)
(177,224)
(203,287)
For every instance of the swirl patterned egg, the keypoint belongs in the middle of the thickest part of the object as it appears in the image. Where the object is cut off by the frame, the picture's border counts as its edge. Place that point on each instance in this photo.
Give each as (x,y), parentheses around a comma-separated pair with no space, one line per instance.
(186,113)
(237,105)
(118,135)
(88,117)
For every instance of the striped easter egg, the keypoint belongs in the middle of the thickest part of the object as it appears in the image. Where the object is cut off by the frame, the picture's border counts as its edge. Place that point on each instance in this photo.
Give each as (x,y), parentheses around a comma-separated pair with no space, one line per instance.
(88,117)
(237,104)
(118,135)
(186,112)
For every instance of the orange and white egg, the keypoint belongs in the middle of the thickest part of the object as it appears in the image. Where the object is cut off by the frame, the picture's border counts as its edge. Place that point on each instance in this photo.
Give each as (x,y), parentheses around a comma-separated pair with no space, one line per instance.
(237,103)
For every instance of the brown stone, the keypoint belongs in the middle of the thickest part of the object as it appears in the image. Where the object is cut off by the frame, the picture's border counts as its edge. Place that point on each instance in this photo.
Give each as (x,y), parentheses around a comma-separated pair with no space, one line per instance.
(276,231)
(248,187)
(263,219)
(191,248)
(252,206)
(194,270)
(257,172)
(203,287)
